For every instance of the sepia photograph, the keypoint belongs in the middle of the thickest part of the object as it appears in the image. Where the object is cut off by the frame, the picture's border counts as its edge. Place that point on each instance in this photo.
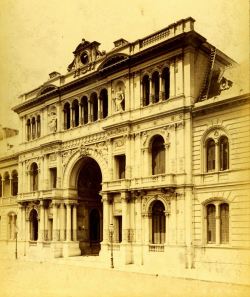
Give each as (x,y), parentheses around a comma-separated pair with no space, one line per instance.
(124,148)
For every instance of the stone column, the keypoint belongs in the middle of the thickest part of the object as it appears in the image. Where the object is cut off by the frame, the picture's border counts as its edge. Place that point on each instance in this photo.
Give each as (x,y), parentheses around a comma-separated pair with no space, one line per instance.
(160,87)
(124,217)
(151,96)
(138,218)
(128,156)
(62,222)
(89,111)
(72,117)
(147,166)
(64,119)
(55,218)
(167,160)
(105,217)
(110,159)
(20,221)
(173,221)
(41,223)
(167,228)
(10,189)
(12,226)
(2,186)
(188,227)
(217,155)
(74,222)
(99,102)
(172,79)
(81,114)
(141,93)
(59,170)
(68,227)
(132,221)
(146,228)
(46,232)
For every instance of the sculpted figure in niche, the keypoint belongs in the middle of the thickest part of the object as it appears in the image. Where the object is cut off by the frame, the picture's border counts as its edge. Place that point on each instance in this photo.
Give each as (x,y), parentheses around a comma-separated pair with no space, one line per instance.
(52,122)
(119,100)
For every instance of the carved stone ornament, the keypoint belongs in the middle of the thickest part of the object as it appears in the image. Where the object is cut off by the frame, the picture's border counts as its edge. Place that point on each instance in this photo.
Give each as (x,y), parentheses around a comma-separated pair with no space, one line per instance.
(84,151)
(52,120)
(119,100)
(119,142)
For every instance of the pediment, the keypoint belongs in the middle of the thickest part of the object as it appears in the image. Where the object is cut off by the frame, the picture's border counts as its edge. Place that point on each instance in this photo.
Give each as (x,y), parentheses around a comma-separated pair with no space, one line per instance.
(113,60)
(46,89)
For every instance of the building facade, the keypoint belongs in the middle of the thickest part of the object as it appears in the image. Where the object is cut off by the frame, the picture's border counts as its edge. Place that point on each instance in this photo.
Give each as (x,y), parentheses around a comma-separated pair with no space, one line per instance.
(146,145)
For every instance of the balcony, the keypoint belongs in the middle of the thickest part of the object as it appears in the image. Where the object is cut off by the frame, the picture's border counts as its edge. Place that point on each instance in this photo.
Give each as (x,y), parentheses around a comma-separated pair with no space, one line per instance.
(9,200)
(117,185)
(156,247)
(154,181)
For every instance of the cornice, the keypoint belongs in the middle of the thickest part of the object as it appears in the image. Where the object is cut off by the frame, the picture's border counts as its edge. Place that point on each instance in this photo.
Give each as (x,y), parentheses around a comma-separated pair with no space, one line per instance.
(180,41)
(200,109)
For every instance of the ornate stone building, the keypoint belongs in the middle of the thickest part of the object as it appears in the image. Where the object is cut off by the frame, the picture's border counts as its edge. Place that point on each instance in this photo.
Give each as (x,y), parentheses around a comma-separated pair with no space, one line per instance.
(150,140)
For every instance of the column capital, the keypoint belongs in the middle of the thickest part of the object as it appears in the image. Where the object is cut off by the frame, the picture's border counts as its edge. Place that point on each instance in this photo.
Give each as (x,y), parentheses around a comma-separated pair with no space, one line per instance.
(125,196)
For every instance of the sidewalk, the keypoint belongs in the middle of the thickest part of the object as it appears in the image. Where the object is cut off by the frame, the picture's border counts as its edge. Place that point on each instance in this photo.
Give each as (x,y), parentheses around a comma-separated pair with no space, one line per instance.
(88,276)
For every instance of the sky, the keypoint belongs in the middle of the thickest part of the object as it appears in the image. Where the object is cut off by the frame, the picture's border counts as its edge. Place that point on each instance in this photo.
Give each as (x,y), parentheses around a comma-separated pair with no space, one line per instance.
(38,37)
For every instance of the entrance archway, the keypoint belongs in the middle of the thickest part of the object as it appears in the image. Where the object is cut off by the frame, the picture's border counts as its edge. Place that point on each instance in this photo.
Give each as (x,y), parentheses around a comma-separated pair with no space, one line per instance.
(89,213)
(33,225)
(94,226)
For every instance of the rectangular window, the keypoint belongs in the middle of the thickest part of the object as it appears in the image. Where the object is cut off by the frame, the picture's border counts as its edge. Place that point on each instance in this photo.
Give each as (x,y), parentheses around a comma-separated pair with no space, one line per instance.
(120,166)
(118,229)
(53,176)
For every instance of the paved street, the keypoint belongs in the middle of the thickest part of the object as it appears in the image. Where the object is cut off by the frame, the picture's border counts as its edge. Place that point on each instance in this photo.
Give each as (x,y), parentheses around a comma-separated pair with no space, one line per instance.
(54,279)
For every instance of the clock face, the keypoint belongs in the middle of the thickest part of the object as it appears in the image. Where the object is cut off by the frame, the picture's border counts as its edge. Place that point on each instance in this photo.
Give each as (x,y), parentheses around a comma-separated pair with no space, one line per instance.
(84,58)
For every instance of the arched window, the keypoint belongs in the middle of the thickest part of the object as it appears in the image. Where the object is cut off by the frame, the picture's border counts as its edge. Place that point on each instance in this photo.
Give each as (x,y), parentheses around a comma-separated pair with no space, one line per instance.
(158,223)
(33,128)
(28,129)
(1,191)
(34,177)
(224,153)
(155,86)
(165,83)
(94,105)
(14,183)
(75,108)
(158,155)
(217,222)
(224,223)
(145,90)
(211,226)
(6,185)
(104,103)
(33,225)
(210,154)
(38,125)
(85,112)
(66,111)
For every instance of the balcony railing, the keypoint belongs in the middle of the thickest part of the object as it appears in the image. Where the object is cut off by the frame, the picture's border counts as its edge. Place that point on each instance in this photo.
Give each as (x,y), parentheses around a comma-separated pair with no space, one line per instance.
(165,179)
(156,248)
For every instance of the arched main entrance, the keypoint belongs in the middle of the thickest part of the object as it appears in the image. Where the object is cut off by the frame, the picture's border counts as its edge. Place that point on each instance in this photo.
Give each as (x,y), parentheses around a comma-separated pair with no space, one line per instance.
(89,213)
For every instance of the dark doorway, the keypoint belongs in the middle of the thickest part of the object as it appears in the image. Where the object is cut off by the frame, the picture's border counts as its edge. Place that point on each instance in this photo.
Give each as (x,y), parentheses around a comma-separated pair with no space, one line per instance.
(94,226)
(33,225)
(89,213)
